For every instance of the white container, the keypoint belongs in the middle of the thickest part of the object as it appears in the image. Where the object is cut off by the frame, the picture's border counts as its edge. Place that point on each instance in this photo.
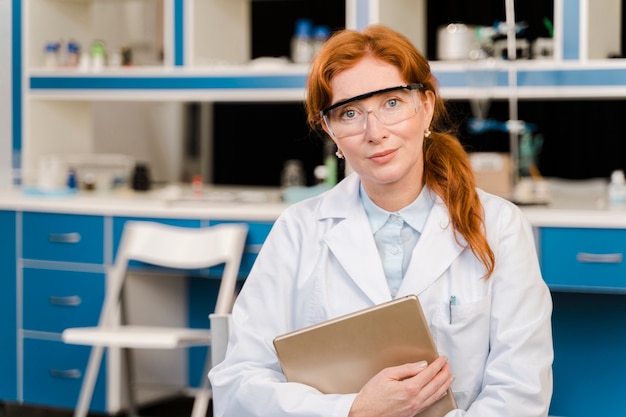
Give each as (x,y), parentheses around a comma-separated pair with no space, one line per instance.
(302,42)
(617,189)
(320,35)
(455,41)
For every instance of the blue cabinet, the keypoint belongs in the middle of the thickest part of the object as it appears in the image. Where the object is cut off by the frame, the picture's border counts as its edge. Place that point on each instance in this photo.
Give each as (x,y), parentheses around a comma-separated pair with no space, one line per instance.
(60,268)
(590,260)
(589,364)
(63,237)
(53,374)
(8,331)
(586,271)
(63,284)
(57,299)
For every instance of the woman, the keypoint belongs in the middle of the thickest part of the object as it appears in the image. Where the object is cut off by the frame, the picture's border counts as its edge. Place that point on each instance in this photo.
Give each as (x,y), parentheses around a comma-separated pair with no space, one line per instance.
(408,220)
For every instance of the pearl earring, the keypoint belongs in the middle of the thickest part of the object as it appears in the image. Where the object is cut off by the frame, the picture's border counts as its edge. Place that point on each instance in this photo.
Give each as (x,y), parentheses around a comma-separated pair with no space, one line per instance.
(427,133)
(339,154)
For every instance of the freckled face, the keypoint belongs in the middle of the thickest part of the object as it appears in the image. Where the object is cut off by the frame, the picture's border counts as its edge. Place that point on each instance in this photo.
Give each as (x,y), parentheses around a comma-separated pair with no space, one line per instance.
(382,154)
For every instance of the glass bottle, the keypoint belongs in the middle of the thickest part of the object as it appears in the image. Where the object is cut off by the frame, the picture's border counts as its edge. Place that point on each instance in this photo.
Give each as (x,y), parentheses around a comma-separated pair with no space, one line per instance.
(301,42)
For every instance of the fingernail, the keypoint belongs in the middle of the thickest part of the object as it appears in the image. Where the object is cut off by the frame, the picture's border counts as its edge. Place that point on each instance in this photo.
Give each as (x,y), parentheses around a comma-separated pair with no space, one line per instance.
(422,364)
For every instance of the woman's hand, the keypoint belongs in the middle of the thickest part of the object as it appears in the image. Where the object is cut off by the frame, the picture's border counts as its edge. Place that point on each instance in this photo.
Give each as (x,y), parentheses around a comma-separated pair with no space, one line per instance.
(403,391)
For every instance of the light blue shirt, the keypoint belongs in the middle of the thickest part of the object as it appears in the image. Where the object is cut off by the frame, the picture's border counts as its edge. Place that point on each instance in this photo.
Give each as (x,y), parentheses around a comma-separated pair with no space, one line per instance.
(397,233)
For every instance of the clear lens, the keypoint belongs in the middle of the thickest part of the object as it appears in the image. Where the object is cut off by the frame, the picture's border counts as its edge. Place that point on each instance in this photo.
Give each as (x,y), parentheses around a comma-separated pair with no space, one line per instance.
(389,107)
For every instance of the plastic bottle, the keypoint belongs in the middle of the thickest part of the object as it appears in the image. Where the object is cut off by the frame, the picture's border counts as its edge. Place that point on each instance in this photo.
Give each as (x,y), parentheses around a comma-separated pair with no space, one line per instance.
(51,54)
(292,174)
(320,35)
(72,182)
(617,189)
(98,55)
(73,53)
(301,42)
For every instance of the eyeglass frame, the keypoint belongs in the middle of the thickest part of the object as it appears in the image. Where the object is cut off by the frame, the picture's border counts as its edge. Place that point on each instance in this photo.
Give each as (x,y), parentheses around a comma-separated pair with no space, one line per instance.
(324,112)
(410,87)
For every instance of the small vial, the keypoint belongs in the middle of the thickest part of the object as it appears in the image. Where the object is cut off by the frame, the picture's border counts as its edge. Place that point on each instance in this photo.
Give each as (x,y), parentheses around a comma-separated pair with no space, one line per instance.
(197,185)
(73,54)
(51,54)
(72,183)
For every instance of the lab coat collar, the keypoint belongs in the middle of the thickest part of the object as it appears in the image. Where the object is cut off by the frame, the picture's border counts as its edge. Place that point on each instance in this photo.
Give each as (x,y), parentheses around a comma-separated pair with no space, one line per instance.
(352,243)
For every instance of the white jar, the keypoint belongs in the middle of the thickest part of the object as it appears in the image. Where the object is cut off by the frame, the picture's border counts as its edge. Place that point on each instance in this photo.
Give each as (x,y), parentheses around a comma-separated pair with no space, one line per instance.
(302,42)
(617,189)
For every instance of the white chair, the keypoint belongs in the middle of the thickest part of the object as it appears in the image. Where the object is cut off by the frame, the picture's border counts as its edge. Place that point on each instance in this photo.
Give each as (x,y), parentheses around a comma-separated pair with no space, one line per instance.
(171,247)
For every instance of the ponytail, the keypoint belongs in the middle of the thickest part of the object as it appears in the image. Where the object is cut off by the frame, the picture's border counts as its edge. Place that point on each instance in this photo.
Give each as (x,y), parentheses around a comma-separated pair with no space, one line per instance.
(448,173)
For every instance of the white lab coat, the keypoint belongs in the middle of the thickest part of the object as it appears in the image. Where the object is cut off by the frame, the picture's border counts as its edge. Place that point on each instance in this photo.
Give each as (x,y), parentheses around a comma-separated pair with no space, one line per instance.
(320,261)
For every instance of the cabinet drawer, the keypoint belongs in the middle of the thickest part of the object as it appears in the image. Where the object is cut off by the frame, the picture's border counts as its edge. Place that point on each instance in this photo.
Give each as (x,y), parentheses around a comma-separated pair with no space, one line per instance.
(53,374)
(55,300)
(63,237)
(584,259)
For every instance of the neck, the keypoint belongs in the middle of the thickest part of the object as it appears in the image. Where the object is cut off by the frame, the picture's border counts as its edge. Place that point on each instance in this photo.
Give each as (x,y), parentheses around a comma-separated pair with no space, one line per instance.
(392,197)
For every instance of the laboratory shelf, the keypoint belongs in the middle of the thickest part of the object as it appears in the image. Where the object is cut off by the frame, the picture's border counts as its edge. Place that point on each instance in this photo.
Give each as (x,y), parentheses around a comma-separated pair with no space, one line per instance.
(220,83)
(458,80)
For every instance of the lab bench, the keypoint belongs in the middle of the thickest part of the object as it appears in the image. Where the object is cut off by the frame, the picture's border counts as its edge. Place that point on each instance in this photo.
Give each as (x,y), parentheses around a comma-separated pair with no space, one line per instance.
(55,251)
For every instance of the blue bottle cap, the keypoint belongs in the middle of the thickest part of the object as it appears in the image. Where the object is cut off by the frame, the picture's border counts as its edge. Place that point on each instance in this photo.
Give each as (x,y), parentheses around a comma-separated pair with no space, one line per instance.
(73,47)
(321,32)
(303,27)
(52,46)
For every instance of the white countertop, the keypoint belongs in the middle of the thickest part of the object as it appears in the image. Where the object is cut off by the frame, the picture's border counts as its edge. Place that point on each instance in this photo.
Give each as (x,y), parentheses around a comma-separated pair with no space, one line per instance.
(572,204)
(262,204)
(577,204)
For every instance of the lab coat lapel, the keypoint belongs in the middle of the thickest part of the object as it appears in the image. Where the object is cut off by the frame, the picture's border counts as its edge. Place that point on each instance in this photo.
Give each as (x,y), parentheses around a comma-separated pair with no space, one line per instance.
(435,251)
(352,244)
(351,240)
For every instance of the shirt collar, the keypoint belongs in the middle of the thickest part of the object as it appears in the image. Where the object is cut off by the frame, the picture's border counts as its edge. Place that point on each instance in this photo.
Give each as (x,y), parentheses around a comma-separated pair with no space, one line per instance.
(415,214)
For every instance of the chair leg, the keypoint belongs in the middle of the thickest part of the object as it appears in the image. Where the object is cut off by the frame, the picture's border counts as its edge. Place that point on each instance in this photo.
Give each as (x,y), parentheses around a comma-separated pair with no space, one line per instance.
(203,394)
(89,381)
(130,383)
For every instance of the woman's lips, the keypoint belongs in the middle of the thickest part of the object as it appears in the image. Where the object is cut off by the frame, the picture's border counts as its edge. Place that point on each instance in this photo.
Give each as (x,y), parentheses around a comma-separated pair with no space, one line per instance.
(382,157)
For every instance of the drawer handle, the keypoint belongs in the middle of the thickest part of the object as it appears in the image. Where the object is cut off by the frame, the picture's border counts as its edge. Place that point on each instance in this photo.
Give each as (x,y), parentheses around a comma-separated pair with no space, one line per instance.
(73,237)
(66,373)
(71,301)
(609,258)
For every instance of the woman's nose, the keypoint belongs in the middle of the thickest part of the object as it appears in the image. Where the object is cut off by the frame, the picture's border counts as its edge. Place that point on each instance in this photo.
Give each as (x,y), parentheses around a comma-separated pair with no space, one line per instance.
(372,125)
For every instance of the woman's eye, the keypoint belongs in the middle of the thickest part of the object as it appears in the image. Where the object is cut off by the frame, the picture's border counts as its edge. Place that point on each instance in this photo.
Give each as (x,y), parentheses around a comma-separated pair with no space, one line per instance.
(348,114)
(392,102)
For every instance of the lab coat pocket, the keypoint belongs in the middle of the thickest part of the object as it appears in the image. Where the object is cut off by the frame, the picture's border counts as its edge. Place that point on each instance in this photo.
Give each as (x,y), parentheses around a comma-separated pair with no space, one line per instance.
(461,332)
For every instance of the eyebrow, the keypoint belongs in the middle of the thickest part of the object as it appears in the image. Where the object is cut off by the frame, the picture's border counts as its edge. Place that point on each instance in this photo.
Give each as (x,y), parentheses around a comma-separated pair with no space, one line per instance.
(412,86)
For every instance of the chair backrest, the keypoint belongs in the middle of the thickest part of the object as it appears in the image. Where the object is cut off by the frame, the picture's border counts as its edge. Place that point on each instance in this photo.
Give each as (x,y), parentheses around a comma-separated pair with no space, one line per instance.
(180,248)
